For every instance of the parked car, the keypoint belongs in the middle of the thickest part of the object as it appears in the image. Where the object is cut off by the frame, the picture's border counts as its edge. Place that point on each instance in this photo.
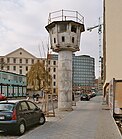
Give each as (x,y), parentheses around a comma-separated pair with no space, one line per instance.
(17,115)
(93,94)
(84,97)
(2,97)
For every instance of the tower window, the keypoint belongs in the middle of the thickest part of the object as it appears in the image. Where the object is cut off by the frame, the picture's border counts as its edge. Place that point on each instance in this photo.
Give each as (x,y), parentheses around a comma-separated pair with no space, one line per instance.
(73,29)
(63,39)
(73,39)
(63,27)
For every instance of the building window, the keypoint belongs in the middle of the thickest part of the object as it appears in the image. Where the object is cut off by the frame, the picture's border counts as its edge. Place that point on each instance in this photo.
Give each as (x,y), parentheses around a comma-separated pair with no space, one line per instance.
(20,67)
(2,60)
(54,76)
(54,62)
(54,40)
(14,68)
(2,63)
(14,60)
(54,90)
(73,39)
(20,71)
(8,67)
(63,39)
(32,61)
(26,61)
(20,79)
(54,70)
(49,69)
(8,60)
(26,68)
(49,62)
(43,62)
(54,83)
(15,78)
(4,76)
(20,61)
(73,29)
(20,53)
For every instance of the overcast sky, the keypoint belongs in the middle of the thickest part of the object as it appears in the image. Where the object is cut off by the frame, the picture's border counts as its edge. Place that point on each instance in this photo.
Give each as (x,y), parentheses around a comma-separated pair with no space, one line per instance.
(22,24)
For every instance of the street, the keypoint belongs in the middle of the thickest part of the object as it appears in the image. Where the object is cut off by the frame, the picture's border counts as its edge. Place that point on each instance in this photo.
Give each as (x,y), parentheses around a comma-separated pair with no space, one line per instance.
(86,121)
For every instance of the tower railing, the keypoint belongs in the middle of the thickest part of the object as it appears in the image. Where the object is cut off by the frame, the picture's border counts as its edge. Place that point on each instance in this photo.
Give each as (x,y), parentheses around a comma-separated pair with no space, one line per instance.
(65,15)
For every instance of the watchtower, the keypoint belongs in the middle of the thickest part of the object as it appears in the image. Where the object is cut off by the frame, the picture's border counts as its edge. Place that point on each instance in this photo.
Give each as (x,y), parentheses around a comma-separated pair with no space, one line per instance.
(65,29)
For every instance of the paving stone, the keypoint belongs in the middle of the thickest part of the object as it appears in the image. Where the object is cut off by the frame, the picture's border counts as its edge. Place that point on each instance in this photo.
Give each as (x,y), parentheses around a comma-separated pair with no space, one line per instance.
(88,120)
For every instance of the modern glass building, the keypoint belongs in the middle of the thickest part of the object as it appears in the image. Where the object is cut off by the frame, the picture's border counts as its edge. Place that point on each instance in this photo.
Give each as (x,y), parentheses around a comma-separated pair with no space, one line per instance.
(83,73)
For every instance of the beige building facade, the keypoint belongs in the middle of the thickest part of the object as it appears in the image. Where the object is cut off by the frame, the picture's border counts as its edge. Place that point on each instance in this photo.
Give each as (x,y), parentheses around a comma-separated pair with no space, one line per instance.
(112,42)
(20,62)
(53,70)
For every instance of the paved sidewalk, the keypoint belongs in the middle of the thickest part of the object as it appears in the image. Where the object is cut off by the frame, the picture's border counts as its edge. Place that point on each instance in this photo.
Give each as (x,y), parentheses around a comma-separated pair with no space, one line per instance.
(88,120)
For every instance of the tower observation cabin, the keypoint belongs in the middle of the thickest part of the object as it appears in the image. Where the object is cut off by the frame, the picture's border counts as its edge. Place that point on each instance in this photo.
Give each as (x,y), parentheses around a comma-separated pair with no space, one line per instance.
(65,27)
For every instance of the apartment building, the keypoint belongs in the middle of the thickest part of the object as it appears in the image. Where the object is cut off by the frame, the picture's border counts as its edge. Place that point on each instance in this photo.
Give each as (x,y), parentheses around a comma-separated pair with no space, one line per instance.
(112,40)
(112,56)
(18,61)
(53,70)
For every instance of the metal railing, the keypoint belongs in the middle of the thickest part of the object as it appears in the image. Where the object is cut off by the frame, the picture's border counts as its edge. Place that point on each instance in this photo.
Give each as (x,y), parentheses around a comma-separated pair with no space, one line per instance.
(65,15)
